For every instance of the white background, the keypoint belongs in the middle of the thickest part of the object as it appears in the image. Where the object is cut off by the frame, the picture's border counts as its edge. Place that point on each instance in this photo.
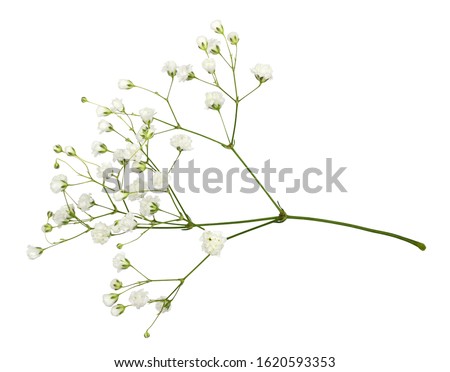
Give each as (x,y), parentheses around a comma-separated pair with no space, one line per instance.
(366,83)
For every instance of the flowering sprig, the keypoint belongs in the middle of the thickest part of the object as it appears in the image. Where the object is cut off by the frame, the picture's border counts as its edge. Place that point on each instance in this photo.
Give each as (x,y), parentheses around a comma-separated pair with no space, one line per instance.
(137,208)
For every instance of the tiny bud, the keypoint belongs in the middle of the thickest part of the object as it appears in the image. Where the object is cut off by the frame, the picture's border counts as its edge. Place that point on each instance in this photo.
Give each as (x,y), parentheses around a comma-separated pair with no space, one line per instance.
(56,165)
(118,310)
(125,84)
(57,149)
(141,166)
(70,151)
(233,38)
(49,214)
(110,299)
(202,42)
(116,284)
(121,195)
(84,99)
(217,27)
(34,252)
(103,111)
(119,245)
(47,228)
(147,334)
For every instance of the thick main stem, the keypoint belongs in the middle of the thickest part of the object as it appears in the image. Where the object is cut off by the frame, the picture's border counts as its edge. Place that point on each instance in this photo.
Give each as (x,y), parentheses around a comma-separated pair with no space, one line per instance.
(419,245)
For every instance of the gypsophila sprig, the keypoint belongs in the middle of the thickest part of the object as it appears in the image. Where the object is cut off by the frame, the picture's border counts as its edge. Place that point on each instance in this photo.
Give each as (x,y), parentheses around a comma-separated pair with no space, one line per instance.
(128,195)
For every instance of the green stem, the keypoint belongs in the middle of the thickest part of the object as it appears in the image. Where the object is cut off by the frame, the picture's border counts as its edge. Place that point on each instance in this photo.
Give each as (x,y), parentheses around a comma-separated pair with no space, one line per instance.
(248,230)
(257,180)
(237,222)
(419,245)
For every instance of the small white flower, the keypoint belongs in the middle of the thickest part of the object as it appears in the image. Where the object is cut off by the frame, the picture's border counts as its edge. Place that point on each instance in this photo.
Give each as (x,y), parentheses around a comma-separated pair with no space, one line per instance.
(262,72)
(117,105)
(214,46)
(104,126)
(85,202)
(120,195)
(217,27)
(149,205)
(139,298)
(163,305)
(101,233)
(127,223)
(120,262)
(202,42)
(145,133)
(214,100)
(98,148)
(116,284)
(34,252)
(213,242)
(171,68)
(158,182)
(233,38)
(59,183)
(62,215)
(136,190)
(117,310)
(147,114)
(185,73)
(209,64)
(110,299)
(70,151)
(131,152)
(103,111)
(125,84)
(105,171)
(181,142)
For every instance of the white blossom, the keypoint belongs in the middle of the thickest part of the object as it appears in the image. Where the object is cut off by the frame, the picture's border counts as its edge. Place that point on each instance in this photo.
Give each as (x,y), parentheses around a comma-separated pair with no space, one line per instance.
(262,72)
(62,215)
(139,298)
(117,105)
(202,42)
(85,202)
(149,205)
(181,142)
(59,183)
(233,38)
(127,223)
(185,73)
(125,84)
(170,67)
(104,126)
(34,252)
(162,305)
(147,114)
(214,100)
(136,190)
(214,46)
(103,111)
(131,152)
(118,309)
(213,242)
(105,171)
(98,148)
(217,27)
(110,299)
(100,233)
(120,262)
(209,64)
(158,181)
